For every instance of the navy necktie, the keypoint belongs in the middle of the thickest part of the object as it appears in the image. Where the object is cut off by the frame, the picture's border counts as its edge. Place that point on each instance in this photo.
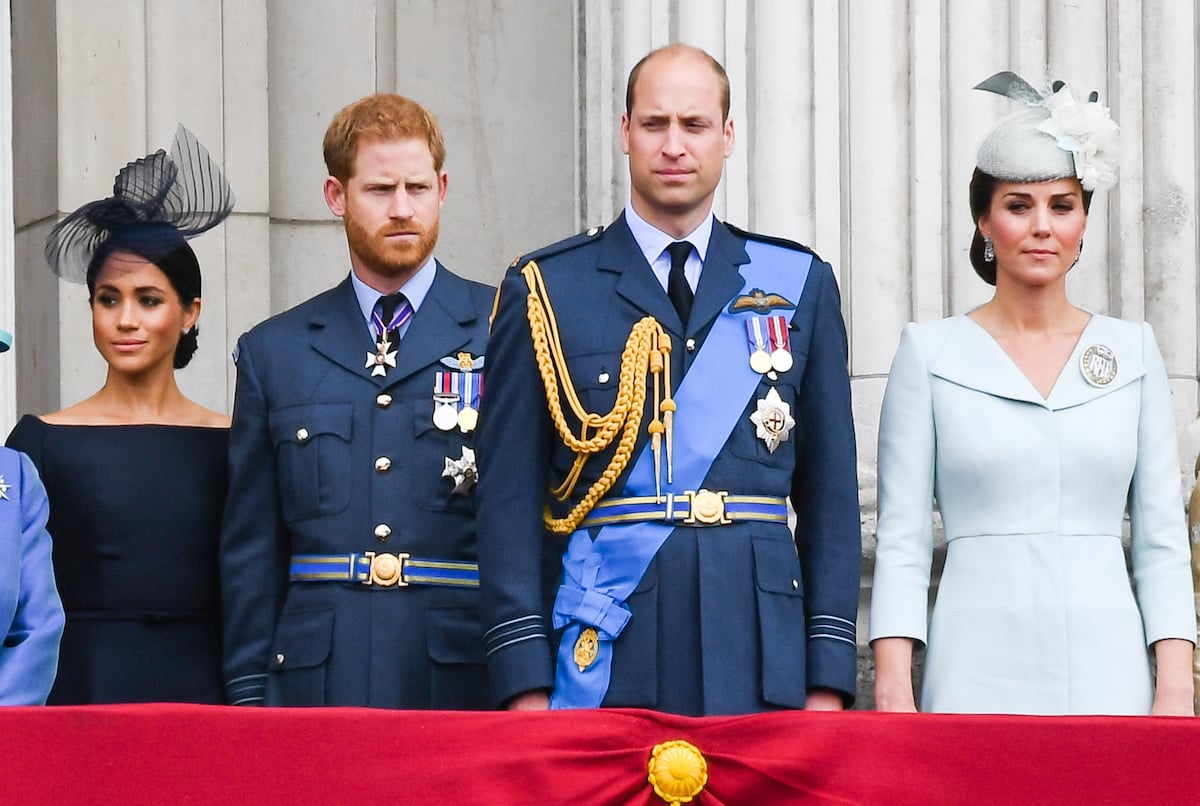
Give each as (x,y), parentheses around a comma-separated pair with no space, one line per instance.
(677,285)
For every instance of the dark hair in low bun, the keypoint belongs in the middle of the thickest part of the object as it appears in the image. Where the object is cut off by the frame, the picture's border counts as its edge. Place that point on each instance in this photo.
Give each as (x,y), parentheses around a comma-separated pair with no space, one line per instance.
(982,189)
(162,245)
(186,348)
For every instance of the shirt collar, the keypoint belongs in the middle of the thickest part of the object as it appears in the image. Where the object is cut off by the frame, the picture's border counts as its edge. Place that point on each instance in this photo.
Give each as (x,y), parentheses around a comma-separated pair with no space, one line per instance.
(415,290)
(652,241)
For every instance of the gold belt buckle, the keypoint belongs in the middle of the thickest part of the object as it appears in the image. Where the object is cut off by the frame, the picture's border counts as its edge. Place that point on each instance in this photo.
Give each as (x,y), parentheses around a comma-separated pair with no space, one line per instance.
(387,570)
(706,507)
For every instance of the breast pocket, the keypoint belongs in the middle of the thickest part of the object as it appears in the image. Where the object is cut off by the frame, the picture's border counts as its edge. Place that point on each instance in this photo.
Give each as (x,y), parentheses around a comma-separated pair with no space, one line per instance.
(312,453)
(769,416)
(432,487)
(596,377)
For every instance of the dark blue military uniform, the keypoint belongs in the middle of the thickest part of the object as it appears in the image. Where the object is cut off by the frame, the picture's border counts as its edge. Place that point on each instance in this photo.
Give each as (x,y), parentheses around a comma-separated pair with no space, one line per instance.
(732,618)
(328,461)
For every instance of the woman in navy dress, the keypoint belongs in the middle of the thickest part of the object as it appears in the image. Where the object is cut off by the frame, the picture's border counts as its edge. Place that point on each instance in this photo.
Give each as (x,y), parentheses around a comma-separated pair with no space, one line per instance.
(136,473)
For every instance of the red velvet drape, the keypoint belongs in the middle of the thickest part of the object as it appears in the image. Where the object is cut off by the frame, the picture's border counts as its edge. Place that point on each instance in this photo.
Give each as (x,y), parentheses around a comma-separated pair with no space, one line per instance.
(199,754)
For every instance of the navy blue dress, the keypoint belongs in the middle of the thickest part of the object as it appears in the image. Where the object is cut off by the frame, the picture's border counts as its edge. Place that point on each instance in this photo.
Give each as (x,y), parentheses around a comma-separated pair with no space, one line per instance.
(135,516)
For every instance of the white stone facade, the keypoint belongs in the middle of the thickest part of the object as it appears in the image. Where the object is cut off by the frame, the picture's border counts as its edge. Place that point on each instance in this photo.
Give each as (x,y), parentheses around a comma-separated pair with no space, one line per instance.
(855,120)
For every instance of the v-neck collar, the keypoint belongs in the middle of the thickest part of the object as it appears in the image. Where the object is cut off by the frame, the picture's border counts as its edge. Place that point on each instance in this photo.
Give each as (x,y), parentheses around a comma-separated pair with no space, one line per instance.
(971,357)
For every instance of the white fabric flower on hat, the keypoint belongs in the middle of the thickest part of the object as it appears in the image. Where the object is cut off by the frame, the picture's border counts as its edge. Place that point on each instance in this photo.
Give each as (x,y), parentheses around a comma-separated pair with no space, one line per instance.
(1088,132)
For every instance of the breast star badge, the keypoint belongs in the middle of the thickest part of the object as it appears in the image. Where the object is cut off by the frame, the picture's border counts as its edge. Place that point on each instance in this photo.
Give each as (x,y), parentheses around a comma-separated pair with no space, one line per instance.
(4,488)
(773,420)
(462,471)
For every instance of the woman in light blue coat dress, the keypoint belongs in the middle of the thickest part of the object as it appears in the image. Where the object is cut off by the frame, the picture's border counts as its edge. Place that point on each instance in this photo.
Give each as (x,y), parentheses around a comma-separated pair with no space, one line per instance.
(30,611)
(1035,425)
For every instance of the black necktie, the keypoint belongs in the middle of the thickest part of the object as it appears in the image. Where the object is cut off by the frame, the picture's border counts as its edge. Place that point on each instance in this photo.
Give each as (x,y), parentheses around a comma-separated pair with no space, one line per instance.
(677,285)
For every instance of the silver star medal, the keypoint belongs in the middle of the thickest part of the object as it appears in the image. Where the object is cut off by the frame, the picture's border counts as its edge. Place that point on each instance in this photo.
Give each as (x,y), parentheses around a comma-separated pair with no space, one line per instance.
(773,420)
(462,471)
(382,358)
(4,488)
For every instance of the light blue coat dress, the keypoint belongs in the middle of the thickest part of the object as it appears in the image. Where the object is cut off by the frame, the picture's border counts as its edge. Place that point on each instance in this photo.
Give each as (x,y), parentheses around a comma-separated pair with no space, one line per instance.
(1035,612)
(31,614)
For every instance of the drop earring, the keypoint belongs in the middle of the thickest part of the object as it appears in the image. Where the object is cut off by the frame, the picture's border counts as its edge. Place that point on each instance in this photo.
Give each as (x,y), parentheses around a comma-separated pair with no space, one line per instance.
(989,253)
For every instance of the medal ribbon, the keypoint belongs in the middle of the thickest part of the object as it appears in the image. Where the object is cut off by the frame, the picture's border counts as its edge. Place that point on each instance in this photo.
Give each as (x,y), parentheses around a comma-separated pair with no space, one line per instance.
(470,390)
(599,575)
(456,389)
(754,334)
(779,333)
(400,318)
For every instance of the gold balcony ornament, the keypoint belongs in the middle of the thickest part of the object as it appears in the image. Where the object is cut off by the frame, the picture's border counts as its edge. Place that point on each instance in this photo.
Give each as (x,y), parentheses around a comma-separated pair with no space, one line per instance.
(678,771)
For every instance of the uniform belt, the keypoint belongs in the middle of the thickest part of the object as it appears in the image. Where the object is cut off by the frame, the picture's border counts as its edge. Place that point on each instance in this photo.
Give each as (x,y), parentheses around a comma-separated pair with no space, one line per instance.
(385,570)
(691,508)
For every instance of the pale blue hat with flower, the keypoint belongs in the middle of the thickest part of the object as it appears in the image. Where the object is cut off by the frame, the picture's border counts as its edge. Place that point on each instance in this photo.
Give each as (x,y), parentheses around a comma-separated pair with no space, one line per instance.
(1056,136)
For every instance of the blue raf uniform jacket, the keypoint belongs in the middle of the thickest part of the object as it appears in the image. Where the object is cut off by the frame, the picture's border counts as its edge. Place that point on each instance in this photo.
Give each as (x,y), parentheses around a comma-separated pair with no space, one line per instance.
(30,610)
(327,460)
(737,618)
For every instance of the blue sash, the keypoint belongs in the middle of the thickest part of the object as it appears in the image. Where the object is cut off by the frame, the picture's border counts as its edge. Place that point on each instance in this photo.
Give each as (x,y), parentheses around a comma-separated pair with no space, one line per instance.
(599,575)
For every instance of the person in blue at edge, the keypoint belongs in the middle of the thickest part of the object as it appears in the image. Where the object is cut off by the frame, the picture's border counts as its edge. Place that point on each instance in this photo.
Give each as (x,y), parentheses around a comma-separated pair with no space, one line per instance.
(30,609)
(348,554)
(670,380)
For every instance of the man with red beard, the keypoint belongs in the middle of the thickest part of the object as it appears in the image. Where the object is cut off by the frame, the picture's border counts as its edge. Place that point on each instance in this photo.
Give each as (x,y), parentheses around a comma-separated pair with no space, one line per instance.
(348,548)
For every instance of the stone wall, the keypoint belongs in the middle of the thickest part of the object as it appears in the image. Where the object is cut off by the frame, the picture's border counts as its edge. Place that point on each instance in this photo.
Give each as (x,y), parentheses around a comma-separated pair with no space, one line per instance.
(856,131)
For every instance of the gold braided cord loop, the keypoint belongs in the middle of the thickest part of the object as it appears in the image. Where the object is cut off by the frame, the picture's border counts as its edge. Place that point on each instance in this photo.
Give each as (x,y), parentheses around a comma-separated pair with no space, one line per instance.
(597,432)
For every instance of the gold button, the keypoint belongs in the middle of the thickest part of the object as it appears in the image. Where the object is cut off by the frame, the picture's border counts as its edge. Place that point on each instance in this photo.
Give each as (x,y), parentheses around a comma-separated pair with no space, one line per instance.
(279,659)
(603,377)
(383,401)
(690,345)
(383,531)
(383,464)
(302,435)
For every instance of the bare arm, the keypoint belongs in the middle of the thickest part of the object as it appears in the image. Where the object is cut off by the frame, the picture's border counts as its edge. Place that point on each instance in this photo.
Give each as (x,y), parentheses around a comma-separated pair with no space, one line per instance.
(893,674)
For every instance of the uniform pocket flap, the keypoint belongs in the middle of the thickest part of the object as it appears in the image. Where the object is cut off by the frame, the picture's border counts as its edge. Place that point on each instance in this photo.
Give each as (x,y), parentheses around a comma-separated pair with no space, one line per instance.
(454,635)
(777,567)
(303,639)
(301,424)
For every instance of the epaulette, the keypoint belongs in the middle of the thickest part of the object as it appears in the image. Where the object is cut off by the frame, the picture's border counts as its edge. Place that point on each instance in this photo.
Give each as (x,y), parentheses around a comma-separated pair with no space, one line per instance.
(784,242)
(565,245)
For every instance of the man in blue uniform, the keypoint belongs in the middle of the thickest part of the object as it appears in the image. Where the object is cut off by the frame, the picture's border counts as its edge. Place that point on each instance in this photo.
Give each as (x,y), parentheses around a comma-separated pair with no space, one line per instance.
(348,548)
(659,389)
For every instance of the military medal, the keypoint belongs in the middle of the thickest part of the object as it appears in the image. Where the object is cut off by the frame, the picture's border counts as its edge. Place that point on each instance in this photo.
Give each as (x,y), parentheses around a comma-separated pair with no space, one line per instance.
(468,415)
(383,357)
(587,647)
(445,400)
(456,394)
(760,359)
(781,350)
(1098,365)
(462,472)
(773,420)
